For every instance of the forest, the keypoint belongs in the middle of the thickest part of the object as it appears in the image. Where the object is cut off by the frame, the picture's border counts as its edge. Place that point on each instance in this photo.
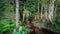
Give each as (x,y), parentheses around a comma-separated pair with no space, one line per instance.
(29,16)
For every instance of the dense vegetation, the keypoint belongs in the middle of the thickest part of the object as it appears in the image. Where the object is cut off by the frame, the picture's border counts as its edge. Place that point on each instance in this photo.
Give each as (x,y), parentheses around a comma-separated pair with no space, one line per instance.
(23,16)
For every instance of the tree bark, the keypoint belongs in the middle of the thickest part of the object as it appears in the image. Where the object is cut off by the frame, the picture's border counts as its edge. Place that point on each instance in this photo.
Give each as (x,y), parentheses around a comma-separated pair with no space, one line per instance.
(24,13)
(45,10)
(38,9)
(41,10)
(17,14)
(51,10)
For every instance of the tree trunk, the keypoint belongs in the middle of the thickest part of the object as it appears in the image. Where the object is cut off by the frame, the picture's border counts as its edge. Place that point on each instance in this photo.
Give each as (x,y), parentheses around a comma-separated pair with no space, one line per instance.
(45,10)
(51,10)
(41,10)
(38,9)
(24,13)
(17,14)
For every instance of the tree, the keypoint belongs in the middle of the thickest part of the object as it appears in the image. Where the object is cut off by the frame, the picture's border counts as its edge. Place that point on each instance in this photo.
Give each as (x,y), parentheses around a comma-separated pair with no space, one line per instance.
(17,14)
(51,10)
(38,9)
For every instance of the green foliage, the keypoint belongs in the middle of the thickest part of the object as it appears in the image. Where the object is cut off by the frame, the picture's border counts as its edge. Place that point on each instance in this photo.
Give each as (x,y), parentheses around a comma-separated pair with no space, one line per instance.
(5,26)
(7,22)
(7,14)
(21,30)
(55,26)
(31,5)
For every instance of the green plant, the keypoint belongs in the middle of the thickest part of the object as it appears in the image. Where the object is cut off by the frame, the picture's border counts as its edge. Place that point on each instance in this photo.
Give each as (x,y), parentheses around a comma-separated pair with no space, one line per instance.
(21,30)
(5,26)
(55,26)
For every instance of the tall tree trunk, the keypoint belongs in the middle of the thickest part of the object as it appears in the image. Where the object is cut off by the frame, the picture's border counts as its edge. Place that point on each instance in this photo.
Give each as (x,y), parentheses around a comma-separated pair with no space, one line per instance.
(45,10)
(17,14)
(24,12)
(51,10)
(55,11)
(38,9)
(41,10)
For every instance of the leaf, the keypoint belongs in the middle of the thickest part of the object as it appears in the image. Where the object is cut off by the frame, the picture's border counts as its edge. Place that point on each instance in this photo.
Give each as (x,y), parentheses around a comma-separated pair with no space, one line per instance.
(14,32)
